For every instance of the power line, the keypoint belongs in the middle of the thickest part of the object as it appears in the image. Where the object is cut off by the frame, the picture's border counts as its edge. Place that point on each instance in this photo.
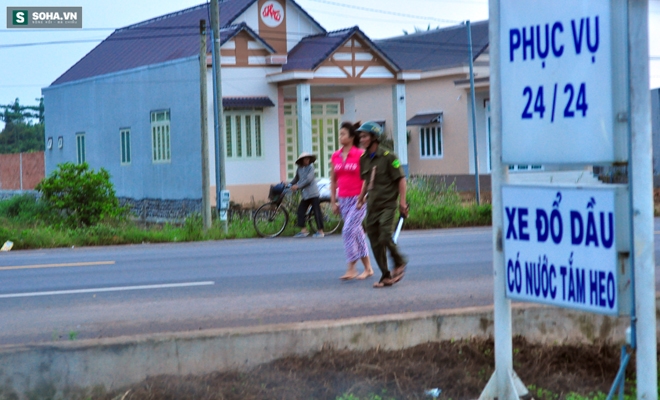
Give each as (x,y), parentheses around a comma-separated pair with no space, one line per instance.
(449,21)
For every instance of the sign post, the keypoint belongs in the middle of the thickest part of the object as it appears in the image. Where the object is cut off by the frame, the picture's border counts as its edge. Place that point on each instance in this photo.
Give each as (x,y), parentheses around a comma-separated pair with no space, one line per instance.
(562,94)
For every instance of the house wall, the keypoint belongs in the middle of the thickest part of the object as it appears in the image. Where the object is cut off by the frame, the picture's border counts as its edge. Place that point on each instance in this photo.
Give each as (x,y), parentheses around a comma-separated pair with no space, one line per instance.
(102,105)
(430,95)
(247,178)
(297,23)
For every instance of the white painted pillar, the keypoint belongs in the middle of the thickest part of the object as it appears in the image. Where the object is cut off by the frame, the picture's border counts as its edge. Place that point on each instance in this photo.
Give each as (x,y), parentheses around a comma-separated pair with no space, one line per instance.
(304,105)
(399,130)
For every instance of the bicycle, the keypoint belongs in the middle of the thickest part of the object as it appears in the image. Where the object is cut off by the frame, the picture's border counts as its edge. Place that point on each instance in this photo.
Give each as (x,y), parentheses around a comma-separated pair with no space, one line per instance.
(271,219)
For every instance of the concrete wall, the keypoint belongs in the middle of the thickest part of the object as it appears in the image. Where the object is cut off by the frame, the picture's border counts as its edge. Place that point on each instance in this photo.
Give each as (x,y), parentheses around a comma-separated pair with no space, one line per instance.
(101,106)
(114,363)
(21,171)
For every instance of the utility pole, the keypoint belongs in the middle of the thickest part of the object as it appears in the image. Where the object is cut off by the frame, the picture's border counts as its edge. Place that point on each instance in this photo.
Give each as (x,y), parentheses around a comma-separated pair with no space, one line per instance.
(206,198)
(222,195)
(474,118)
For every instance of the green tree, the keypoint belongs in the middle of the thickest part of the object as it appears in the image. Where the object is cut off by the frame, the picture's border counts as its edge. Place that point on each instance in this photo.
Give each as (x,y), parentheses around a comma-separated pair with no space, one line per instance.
(79,196)
(24,128)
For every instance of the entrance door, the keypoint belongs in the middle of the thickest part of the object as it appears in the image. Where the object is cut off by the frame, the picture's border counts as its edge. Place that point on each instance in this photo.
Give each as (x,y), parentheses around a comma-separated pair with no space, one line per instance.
(325,136)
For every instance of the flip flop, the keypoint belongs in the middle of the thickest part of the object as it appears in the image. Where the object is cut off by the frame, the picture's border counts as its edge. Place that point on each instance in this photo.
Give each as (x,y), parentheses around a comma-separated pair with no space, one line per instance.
(379,285)
(383,283)
(398,272)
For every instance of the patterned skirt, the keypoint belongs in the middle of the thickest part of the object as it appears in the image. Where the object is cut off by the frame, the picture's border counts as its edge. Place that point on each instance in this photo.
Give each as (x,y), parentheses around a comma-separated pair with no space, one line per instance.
(355,241)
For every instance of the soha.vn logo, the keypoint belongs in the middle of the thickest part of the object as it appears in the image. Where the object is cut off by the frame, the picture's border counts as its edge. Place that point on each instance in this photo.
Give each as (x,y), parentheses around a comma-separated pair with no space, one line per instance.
(272,13)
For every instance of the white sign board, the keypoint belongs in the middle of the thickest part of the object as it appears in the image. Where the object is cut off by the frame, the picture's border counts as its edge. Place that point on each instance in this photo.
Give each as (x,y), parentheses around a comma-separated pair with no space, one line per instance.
(565,246)
(562,85)
(224,204)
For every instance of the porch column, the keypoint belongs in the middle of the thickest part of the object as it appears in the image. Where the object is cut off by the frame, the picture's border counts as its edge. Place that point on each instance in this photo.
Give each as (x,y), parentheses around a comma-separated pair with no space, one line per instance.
(399,132)
(304,103)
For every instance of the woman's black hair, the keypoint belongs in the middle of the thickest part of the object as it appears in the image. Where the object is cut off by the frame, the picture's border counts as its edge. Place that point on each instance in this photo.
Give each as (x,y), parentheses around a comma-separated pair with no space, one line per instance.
(352,131)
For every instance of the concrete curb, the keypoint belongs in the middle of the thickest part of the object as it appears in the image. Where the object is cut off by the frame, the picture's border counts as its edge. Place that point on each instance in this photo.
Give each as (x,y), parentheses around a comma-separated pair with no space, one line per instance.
(66,367)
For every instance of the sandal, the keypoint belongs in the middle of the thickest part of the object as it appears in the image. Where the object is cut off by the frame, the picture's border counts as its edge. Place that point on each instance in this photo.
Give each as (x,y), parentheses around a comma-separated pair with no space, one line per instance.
(384,282)
(398,272)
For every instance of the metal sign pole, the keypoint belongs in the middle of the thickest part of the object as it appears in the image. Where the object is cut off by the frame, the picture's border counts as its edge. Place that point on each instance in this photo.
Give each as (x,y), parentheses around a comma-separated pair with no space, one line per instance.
(504,384)
(641,175)
(474,117)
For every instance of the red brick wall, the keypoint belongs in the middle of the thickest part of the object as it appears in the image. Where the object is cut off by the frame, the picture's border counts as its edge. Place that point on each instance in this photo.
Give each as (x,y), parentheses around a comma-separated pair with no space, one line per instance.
(10,167)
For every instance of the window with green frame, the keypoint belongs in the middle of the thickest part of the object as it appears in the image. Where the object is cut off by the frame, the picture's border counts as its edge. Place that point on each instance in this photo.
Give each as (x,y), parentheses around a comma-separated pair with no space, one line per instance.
(80,147)
(125,142)
(243,133)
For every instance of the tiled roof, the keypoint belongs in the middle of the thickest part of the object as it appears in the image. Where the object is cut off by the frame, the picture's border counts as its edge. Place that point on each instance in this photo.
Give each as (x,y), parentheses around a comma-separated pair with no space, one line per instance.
(247,102)
(168,37)
(436,49)
(425,119)
(313,50)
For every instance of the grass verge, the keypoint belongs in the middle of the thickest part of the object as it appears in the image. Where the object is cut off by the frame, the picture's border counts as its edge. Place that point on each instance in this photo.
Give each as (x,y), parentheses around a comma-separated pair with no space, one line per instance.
(24,221)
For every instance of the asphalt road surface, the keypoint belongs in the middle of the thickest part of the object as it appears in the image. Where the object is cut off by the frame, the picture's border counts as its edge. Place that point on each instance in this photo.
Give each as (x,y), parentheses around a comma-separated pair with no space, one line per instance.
(99,292)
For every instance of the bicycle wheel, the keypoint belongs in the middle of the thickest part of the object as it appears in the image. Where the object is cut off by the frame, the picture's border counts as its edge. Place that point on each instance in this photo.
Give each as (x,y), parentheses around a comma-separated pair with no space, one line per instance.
(331,222)
(270,220)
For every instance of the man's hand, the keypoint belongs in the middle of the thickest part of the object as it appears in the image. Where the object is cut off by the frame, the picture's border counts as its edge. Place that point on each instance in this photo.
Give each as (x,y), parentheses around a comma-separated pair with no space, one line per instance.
(403,209)
(294,187)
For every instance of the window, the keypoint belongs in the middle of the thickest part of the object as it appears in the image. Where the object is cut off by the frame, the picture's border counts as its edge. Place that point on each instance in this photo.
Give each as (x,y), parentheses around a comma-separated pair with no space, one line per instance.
(160,136)
(243,134)
(125,141)
(430,141)
(80,147)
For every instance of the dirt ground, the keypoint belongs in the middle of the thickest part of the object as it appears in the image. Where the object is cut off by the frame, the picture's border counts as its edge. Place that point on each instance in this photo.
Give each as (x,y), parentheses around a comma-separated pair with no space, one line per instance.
(460,369)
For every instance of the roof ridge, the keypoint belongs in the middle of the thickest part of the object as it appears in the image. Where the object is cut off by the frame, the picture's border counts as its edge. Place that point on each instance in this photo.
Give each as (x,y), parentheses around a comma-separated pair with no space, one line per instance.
(162,17)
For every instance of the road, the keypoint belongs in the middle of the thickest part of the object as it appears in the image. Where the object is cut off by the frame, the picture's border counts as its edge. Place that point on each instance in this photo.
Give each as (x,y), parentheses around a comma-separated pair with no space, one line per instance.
(99,292)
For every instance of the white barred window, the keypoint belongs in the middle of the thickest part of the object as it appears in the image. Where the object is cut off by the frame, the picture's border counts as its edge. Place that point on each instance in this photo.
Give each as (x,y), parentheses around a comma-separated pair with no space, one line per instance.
(430,141)
(243,130)
(160,136)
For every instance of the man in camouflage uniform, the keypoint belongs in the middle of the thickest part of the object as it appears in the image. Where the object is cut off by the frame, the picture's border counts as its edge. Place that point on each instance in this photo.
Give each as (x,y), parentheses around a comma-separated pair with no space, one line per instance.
(384,182)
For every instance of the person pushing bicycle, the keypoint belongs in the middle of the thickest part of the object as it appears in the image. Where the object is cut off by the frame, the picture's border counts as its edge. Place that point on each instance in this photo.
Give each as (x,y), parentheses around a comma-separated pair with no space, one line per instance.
(306,182)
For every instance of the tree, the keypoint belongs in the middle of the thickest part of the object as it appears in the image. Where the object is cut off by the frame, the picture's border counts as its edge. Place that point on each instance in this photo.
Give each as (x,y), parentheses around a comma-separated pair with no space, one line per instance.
(80,196)
(417,30)
(24,128)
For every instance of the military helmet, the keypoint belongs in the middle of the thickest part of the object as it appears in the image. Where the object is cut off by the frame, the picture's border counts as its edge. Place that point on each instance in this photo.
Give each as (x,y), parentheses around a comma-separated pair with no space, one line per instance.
(373,128)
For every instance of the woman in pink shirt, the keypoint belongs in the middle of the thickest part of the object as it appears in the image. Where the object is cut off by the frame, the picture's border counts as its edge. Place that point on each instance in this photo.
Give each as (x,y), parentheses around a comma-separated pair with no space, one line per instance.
(345,176)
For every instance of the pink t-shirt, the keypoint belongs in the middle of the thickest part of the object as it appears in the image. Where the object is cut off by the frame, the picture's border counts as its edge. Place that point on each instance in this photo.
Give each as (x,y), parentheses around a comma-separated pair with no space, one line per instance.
(347,172)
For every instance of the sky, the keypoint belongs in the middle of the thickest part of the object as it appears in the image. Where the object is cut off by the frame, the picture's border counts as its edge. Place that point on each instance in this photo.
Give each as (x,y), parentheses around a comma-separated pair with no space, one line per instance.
(25,69)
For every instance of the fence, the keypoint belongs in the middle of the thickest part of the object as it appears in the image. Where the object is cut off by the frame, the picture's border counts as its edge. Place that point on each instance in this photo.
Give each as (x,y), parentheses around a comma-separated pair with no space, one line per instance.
(21,171)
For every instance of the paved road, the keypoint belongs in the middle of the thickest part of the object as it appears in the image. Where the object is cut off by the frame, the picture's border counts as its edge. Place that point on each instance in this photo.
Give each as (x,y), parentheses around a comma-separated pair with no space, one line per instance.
(109,291)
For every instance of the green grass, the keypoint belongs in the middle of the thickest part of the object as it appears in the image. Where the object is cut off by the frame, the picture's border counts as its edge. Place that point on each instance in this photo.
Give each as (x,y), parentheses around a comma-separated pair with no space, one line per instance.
(26,222)
(436,205)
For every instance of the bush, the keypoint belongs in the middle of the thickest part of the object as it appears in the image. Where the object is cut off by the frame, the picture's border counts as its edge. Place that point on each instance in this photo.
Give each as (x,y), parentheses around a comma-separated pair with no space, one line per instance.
(79,196)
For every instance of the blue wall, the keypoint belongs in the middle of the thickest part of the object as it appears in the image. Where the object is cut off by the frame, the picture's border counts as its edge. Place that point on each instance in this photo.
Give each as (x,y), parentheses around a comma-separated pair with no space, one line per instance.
(101,106)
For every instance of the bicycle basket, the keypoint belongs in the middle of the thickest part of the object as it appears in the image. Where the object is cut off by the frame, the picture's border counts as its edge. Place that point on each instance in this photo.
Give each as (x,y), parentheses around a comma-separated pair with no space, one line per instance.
(276,191)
